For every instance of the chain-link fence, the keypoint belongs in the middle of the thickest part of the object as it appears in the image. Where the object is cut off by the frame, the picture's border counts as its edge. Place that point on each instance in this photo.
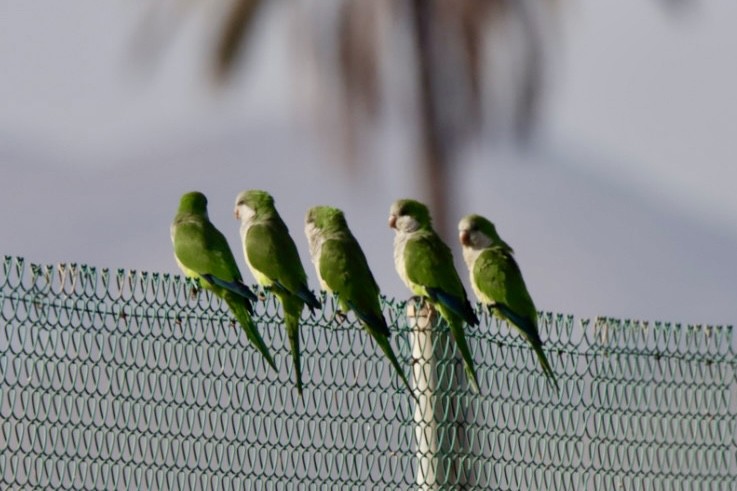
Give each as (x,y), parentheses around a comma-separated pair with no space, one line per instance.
(126,380)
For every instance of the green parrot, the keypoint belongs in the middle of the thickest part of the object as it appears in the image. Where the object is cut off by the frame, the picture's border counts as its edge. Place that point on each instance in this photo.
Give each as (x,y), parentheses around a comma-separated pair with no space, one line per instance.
(425,264)
(343,270)
(202,254)
(497,281)
(273,259)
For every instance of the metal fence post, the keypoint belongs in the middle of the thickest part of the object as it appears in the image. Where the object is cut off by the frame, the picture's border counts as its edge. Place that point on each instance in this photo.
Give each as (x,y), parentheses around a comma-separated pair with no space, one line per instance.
(438,433)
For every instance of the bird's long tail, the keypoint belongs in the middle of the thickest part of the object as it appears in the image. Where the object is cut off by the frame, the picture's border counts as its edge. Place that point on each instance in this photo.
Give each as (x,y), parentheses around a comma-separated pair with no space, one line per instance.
(238,307)
(529,330)
(386,347)
(292,325)
(456,329)
(309,298)
(547,369)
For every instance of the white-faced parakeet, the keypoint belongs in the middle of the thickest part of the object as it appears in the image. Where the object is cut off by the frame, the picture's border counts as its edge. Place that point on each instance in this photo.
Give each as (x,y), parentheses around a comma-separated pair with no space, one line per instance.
(343,271)
(425,264)
(497,281)
(202,253)
(273,259)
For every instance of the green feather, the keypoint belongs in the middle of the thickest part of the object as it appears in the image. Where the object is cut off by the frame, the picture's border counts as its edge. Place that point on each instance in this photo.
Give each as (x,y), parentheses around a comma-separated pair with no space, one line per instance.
(343,267)
(273,258)
(200,249)
(246,321)
(291,324)
(429,271)
(455,324)
(499,284)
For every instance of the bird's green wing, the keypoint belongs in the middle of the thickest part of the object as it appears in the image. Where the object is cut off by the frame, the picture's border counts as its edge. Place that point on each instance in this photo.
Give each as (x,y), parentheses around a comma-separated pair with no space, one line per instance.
(240,311)
(344,268)
(499,279)
(429,264)
(273,253)
(201,247)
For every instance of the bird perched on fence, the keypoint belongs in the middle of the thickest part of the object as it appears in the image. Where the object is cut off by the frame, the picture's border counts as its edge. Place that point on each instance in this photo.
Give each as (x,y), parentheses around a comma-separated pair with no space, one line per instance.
(342,269)
(425,264)
(203,254)
(273,259)
(497,281)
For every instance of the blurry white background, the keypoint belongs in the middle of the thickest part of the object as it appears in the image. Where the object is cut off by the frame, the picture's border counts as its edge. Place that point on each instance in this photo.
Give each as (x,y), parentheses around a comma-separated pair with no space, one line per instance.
(623,206)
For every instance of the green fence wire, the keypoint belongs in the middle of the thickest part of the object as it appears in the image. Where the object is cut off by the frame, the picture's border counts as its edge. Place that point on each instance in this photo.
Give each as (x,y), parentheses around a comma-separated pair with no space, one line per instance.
(116,379)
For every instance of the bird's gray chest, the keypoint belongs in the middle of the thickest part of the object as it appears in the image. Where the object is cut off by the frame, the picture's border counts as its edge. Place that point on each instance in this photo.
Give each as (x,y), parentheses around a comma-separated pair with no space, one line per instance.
(400,243)
(245,227)
(316,258)
(316,241)
(470,255)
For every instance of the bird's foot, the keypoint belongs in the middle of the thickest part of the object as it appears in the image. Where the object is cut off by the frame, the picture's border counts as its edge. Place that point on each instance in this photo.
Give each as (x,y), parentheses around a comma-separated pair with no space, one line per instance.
(418,300)
(340,316)
(263,291)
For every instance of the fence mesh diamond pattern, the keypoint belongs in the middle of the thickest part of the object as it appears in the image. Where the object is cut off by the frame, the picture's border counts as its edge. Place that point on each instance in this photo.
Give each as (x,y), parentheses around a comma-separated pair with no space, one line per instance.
(116,379)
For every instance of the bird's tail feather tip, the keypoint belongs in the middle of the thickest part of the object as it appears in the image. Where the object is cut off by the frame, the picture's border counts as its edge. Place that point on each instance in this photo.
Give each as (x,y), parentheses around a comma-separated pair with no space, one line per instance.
(553,382)
(249,326)
(473,380)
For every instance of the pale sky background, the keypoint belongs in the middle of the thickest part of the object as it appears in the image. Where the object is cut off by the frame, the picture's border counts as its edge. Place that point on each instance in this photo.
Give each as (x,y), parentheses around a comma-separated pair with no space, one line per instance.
(624,207)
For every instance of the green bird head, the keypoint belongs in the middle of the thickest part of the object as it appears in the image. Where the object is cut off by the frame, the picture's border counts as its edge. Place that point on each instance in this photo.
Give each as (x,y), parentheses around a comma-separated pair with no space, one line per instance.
(477,232)
(254,202)
(320,223)
(325,218)
(193,202)
(408,215)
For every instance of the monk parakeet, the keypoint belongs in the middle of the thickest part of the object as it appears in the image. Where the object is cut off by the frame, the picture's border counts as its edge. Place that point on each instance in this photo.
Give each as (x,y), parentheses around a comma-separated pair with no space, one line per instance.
(425,264)
(203,254)
(497,281)
(343,270)
(274,261)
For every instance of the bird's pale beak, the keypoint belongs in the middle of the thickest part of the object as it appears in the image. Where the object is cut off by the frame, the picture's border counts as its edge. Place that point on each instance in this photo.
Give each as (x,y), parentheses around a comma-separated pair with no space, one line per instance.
(464,237)
(236,214)
(392,221)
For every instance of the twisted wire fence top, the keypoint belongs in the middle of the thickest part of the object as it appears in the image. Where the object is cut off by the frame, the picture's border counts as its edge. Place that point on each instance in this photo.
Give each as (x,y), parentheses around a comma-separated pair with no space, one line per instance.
(117,379)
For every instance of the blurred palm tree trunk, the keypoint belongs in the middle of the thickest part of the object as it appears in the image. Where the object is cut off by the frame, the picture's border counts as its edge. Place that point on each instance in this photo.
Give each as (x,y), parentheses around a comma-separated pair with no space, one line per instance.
(433,156)
(450,42)
(450,73)
(237,25)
